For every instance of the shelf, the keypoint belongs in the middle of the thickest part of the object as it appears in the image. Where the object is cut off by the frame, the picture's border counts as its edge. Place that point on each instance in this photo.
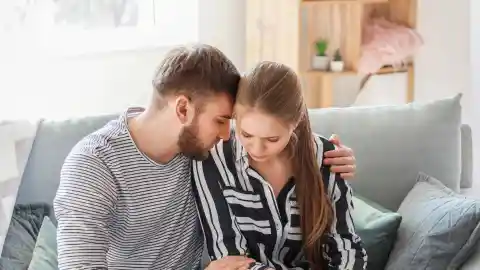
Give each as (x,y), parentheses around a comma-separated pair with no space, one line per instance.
(382,71)
(330,2)
(288,32)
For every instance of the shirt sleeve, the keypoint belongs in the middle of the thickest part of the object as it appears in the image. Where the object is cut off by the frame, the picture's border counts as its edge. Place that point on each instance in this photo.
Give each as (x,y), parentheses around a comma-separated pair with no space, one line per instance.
(343,249)
(83,207)
(222,233)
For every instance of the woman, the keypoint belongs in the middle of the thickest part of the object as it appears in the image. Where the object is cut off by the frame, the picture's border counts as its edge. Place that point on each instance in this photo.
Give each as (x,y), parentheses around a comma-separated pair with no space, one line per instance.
(265,194)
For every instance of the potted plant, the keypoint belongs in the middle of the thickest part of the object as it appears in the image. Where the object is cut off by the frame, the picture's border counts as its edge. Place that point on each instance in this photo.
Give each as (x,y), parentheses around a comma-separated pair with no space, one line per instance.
(337,64)
(321,60)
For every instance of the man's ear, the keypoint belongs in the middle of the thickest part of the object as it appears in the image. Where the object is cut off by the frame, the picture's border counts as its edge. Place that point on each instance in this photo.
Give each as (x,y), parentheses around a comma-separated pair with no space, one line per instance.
(184,109)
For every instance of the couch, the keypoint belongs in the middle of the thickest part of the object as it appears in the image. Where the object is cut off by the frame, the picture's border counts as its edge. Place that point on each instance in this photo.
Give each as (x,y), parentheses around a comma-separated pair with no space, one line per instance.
(392,144)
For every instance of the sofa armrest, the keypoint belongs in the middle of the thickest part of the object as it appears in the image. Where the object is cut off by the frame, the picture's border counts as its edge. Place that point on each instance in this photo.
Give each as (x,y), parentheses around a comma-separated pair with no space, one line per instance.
(466,156)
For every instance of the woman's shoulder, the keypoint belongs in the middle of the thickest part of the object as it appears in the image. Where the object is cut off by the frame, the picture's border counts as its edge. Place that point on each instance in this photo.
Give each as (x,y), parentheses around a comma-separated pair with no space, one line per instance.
(322,144)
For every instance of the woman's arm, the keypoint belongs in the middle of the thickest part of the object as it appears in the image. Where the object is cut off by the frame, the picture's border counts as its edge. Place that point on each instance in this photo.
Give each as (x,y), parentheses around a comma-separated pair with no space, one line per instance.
(222,233)
(344,249)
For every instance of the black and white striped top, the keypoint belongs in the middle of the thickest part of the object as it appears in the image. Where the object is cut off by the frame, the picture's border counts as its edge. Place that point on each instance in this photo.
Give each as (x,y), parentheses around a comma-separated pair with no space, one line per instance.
(240,214)
(117,208)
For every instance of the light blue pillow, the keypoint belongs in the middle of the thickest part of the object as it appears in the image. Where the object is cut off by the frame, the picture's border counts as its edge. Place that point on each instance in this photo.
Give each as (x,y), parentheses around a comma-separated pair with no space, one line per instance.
(45,253)
(439,228)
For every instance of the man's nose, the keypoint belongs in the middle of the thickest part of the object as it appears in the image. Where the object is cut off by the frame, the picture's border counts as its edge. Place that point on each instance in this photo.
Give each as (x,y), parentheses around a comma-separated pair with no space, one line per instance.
(225,132)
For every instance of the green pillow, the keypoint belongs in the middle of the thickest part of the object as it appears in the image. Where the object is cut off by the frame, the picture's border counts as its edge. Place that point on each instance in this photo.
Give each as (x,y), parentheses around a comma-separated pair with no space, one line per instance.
(45,253)
(377,227)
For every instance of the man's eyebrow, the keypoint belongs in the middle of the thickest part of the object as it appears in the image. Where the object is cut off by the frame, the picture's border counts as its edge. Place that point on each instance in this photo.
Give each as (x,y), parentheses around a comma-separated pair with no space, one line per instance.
(226,116)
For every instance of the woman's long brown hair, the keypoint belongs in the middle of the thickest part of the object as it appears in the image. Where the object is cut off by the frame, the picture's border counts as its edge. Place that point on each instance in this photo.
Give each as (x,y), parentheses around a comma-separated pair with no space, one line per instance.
(275,89)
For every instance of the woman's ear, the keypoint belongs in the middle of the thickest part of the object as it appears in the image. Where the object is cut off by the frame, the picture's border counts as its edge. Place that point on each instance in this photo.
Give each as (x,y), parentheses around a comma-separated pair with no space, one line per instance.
(184,109)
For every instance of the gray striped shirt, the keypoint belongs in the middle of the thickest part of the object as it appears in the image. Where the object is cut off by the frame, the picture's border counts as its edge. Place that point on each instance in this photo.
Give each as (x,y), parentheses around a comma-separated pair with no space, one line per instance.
(118,209)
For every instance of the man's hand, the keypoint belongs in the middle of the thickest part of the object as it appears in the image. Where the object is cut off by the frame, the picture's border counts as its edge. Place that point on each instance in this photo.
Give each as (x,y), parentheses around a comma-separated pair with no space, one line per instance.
(342,159)
(231,263)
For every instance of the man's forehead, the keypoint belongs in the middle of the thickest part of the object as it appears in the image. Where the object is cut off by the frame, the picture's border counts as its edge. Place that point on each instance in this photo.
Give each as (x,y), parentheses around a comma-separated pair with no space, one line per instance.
(221,105)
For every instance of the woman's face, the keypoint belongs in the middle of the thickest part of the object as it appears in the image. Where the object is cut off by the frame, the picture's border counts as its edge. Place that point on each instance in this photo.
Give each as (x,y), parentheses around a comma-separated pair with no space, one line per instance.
(263,136)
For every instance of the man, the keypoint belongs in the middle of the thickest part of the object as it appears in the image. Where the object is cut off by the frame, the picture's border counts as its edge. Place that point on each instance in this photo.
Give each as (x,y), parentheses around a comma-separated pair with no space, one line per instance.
(125,200)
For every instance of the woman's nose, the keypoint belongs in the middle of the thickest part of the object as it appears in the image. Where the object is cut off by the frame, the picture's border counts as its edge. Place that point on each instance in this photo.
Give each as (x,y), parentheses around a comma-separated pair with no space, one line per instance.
(256,148)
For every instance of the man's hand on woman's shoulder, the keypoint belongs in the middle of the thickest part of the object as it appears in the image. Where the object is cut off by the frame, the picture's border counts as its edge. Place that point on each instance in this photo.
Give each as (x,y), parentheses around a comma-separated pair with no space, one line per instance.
(342,159)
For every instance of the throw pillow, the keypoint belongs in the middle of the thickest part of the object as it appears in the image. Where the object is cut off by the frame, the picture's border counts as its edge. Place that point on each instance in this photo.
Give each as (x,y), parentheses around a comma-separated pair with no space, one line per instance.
(377,227)
(22,235)
(438,229)
(45,252)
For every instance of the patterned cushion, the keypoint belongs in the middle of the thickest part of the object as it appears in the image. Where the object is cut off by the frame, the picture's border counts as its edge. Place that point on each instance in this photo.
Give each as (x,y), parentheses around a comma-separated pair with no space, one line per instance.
(439,229)
(16,140)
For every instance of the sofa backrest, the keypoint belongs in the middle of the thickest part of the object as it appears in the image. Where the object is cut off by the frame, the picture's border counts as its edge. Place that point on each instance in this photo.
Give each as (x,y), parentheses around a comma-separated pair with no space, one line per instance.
(53,142)
(391,143)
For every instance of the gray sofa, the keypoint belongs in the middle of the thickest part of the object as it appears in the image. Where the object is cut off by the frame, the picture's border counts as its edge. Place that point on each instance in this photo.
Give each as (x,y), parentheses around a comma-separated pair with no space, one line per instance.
(392,144)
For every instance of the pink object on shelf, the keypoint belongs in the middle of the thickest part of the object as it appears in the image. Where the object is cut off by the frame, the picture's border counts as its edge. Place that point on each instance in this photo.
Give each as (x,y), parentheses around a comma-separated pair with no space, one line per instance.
(386,43)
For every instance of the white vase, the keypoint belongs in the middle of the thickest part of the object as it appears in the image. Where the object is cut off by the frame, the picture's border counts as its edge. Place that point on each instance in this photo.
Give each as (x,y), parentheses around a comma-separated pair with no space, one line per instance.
(320,62)
(337,66)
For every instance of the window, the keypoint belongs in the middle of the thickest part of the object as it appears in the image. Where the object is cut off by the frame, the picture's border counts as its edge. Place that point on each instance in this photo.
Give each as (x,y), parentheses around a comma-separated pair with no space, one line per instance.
(82,26)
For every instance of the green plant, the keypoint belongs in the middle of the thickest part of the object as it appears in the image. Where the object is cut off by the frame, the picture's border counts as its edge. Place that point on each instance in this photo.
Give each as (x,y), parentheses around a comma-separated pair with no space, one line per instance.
(337,56)
(321,47)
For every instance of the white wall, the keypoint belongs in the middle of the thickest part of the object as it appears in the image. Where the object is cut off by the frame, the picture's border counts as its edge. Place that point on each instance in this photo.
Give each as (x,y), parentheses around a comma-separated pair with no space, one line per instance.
(109,82)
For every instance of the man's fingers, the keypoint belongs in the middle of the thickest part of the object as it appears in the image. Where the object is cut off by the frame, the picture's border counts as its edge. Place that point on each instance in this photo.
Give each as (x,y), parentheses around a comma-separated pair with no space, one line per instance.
(339,152)
(242,264)
(335,139)
(343,169)
(347,176)
(341,161)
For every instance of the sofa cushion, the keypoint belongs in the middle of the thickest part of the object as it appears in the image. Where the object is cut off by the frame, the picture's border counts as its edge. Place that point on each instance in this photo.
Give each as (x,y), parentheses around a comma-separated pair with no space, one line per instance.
(377,227)
(393,143)
(439,228)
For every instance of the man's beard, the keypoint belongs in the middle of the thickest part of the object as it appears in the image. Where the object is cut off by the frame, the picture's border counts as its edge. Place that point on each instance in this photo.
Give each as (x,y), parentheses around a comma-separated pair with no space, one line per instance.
(189,143)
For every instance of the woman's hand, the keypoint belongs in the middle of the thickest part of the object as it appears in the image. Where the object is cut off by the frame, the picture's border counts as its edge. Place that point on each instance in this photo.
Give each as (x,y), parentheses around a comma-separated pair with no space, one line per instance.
(342,159)
(231,263)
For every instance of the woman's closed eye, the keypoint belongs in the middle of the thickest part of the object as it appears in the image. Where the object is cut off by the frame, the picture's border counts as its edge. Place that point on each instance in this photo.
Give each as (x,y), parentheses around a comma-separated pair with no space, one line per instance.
(246,135)
(273,139)
(269,139)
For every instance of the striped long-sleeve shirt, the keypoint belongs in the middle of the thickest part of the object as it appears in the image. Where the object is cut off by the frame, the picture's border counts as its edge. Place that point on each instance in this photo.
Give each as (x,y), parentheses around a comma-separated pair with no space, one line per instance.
(118,209)
(241,215)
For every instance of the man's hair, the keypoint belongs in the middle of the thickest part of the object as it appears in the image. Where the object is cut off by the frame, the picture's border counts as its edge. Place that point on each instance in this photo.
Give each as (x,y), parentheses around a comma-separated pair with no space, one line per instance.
(196,71)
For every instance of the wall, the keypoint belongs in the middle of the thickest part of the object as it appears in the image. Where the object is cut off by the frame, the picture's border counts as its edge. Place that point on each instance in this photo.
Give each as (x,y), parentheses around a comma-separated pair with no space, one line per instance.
(475,68)
(105,82)
(109,82)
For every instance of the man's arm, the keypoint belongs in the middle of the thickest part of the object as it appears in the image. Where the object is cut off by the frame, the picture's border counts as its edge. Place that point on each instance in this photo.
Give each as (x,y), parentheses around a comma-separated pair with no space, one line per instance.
(83,207)
(222,233)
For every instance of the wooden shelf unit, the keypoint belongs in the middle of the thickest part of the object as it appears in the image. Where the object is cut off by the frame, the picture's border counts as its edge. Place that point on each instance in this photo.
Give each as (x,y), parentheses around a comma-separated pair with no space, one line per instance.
(286,31)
